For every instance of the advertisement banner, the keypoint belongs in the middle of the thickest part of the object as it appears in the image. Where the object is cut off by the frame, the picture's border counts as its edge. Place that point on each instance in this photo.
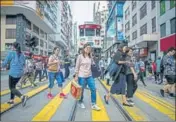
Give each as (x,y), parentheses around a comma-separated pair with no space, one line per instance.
(120,9)
(120,34)
(7,2)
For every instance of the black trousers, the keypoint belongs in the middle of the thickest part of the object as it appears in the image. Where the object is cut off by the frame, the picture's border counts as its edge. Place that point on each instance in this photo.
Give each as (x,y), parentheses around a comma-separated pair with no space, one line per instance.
(141,77)
(131,85)
(12,86)
(67,72)
(38,72)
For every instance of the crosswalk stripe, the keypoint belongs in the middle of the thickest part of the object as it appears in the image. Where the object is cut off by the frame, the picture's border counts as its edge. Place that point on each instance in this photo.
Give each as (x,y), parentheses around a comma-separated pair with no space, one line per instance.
(165,110)
(157,99)
(100,115)
(134,112)
(7,91)
(6,106)
(49,110)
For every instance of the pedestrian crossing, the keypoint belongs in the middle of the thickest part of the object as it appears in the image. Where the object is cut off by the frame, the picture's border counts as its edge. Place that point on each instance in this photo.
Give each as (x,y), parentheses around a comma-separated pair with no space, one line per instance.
(53,107)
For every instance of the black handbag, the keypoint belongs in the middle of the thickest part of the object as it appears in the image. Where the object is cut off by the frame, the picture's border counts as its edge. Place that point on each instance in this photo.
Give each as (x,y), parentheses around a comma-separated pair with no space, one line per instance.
(95,71)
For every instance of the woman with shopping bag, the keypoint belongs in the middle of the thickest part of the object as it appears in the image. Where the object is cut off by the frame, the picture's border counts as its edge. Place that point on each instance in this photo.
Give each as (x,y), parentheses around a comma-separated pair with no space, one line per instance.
(83,75)
(55,73)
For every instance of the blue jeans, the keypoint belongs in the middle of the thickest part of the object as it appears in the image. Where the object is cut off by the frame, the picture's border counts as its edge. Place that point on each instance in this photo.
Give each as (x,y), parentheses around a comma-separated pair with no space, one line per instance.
(91,83)
(55,75)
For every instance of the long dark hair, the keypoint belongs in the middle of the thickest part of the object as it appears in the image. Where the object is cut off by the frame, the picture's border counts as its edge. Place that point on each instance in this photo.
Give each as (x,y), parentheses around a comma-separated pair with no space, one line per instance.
(55,49)
(17,46)
(83,52)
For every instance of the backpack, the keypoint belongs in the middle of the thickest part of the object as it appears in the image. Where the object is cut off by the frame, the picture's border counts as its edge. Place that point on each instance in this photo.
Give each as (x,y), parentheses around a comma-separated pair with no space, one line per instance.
(112,69)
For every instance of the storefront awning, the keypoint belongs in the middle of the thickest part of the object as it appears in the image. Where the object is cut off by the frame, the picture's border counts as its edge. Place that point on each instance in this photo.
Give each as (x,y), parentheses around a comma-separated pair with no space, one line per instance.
(168,42)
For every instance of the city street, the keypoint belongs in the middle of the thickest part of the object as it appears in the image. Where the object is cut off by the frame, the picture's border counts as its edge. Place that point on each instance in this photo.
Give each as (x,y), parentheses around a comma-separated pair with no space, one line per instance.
(149,105)
(125,51)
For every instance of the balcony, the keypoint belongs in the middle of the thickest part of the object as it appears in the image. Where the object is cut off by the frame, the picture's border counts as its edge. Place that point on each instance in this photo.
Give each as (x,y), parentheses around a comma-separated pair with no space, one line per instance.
(31,14)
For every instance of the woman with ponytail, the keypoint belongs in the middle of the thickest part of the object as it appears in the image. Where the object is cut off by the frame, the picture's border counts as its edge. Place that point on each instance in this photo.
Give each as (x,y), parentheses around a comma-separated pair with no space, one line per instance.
(17,64)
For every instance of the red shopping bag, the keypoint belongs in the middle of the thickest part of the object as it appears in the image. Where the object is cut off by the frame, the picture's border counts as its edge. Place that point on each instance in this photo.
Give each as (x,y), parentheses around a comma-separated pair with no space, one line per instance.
(75,90)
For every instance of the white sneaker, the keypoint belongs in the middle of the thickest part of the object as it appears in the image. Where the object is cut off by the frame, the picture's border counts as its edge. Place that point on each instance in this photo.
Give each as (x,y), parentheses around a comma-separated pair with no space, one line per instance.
(81,105)
(95,107)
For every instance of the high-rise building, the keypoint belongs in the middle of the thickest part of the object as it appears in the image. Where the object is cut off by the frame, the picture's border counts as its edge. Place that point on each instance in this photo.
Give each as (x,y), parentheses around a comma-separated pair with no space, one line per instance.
(65,24)
(114,25)
(166,24)
(24,19)
(100,13)
(140,27)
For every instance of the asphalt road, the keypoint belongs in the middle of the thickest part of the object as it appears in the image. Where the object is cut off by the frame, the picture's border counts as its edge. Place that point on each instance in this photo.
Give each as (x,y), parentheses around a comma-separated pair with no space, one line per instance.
(149,105)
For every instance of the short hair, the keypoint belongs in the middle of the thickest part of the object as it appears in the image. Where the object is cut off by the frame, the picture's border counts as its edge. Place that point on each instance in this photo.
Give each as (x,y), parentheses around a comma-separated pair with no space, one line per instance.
(171,49)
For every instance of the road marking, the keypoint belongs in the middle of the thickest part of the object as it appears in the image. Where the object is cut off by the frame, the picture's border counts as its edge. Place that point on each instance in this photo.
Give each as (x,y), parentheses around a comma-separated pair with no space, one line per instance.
(7,91)
(165,110)
(50,109)
(134,112)
(158,99)
(6,106)
(100,115)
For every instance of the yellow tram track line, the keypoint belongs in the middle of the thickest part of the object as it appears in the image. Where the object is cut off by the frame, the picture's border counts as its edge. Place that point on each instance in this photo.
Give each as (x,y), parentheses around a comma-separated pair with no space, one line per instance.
(134,112)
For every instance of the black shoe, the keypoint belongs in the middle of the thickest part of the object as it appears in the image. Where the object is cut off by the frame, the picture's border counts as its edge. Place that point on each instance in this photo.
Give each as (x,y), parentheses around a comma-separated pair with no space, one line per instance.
(11,102)
(106,101)
(129,105)
(171,95)
(162,92)
(24,99)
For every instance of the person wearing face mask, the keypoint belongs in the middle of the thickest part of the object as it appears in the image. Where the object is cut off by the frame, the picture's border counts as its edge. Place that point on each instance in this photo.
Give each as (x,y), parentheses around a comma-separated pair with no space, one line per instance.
(55,74)
(83,75)
(17,64)
(119,85)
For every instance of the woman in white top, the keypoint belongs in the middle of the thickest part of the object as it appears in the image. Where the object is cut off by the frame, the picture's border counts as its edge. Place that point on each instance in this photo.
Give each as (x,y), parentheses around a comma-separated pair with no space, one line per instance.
(83,74)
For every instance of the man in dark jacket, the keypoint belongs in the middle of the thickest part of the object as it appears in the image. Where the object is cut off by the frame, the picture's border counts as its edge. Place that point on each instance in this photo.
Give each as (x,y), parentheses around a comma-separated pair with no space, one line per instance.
(66,66)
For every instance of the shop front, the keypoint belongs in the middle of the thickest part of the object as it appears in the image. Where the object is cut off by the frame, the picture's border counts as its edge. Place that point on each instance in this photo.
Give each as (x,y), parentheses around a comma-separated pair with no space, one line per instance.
(167,42)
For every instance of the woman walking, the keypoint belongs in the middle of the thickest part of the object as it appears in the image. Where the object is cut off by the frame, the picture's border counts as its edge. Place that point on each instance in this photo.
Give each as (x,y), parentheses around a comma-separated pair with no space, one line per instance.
(17,64)
(84,75)
(131,77)
(54,73)
(119,85)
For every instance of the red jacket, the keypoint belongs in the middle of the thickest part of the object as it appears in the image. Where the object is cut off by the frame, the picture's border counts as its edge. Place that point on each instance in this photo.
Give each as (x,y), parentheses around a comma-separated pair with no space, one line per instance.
(154,66)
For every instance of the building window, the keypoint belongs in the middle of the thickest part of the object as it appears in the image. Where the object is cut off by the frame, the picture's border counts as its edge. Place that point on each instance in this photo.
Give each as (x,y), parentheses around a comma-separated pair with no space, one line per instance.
(81,32)
(154,24)
(172,4)
(162,7)
(143,29)
(163,30)
(35,29)
(172,22)
(127,13)
(134,20)
(143,11)
(98,32)
(127,26)
(133,5)
(42,34)
(128,38)
(28,24)
(153,4)
(10,19)
(134,35)
(10,33)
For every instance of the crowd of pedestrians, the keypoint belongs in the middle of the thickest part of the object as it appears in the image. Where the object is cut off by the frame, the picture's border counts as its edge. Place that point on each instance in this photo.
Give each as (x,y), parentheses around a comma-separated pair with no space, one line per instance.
(121,68)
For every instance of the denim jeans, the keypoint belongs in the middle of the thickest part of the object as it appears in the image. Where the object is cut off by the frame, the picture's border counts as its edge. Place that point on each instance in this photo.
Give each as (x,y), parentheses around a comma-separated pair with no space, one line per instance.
(91,83)
(55,75)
